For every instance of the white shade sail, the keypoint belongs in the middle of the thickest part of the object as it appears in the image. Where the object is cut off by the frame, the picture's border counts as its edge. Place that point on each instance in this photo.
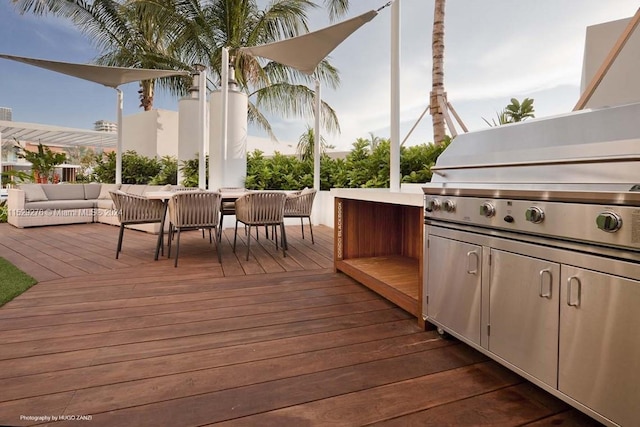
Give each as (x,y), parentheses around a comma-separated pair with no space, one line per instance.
(104,75)
(305,52)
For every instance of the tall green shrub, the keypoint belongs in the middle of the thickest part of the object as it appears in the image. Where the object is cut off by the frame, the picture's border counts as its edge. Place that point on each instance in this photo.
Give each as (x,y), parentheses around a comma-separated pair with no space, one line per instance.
(136,169)
(362,167)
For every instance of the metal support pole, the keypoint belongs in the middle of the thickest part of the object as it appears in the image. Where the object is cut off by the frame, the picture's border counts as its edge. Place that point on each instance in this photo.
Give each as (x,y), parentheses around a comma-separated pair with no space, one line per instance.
(316,139)
(202,111)
(394,167)
(119,143)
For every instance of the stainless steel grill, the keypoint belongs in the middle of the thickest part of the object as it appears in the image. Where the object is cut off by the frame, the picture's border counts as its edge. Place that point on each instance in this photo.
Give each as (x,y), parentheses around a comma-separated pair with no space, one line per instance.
(532,236)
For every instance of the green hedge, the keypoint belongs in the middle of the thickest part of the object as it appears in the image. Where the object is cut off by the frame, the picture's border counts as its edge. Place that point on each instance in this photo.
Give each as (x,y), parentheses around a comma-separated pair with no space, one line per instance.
(364,166)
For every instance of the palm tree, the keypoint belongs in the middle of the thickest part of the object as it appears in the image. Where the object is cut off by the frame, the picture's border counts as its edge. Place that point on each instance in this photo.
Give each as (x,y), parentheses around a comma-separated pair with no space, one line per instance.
(203,29)
(175,34)
(437,73)
(306,143)
(130,33)
(518,112)
(513,112)
(375,140)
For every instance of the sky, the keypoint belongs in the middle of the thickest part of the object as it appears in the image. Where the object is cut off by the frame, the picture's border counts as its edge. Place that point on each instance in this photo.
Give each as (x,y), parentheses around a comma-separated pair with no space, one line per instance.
(494,50)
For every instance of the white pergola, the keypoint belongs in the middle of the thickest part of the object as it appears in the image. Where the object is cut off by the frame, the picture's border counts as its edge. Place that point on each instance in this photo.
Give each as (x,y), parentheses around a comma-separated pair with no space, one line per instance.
(54,136)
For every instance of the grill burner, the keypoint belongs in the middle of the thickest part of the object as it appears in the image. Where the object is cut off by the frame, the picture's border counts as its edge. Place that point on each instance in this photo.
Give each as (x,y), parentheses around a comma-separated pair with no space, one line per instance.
(600,218)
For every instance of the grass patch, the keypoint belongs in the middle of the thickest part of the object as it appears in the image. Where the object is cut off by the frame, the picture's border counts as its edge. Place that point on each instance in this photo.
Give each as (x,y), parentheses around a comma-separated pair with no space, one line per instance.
(13,281)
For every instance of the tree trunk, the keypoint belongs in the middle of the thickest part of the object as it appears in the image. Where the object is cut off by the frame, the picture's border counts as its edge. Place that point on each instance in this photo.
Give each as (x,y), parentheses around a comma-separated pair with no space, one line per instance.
(146,94)
(437,78)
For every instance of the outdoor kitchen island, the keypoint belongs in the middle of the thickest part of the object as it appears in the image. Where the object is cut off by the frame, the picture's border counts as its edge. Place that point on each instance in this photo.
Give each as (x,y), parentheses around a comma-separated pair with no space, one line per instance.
(378,242)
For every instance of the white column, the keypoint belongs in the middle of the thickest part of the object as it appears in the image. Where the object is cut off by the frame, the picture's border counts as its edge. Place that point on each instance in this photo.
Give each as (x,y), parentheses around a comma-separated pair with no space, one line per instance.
(217,150)
(394,167)
(188,143)
(235,151)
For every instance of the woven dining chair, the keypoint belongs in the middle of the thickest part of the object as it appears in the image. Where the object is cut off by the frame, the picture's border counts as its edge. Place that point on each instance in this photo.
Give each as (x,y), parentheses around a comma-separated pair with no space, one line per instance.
(181,189)
(299,206)
(262,208)
(134,209)
(194,210)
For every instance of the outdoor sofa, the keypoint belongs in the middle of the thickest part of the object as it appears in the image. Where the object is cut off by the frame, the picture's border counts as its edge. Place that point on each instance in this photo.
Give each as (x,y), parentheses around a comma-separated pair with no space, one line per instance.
(32,205)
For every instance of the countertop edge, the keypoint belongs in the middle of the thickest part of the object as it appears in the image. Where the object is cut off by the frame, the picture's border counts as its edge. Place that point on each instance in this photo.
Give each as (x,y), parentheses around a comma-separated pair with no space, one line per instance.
(381,195)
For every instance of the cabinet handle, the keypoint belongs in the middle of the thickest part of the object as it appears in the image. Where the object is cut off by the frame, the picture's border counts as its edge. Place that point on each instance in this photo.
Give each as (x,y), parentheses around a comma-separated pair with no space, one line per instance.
(570,281)
(546,272)
(477,263)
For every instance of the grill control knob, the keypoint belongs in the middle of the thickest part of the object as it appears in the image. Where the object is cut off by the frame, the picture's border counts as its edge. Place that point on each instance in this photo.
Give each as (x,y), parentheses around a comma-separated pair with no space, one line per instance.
(449,205)
(534,214)
(609,222)
(487,209)
(433,205)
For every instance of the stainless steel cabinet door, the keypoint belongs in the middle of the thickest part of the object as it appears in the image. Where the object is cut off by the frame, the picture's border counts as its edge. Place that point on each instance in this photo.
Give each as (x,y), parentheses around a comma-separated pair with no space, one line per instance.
(454,274)
(600,343)
(524,313)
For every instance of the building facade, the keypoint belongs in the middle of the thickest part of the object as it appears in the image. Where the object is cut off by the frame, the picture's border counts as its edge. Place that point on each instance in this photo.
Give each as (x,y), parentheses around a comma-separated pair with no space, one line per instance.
(5,114)
(105,126)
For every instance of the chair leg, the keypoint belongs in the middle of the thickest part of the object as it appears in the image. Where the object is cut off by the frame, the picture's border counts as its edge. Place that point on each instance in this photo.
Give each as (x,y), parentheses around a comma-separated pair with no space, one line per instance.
(302,225)
(210,238)
(275,235)
(311,229)
(218,246)
(169,240)
(284,240)
(177,248)
(235,237)
(119,248)
(249,241)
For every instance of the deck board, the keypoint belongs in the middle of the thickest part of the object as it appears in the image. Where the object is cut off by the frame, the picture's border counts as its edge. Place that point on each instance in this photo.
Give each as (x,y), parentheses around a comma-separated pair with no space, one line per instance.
(269,341)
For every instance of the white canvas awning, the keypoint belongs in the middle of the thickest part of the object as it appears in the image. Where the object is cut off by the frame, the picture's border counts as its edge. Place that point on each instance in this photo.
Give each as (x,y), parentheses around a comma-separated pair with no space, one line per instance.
(104,75)
(305,52)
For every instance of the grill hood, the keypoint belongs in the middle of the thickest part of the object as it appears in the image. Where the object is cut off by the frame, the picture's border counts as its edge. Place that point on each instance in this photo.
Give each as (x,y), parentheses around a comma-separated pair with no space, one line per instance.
(587,149)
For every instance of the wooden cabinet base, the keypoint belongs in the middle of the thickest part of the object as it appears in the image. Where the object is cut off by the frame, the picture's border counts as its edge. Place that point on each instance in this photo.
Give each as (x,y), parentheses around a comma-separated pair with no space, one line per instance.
(395,277)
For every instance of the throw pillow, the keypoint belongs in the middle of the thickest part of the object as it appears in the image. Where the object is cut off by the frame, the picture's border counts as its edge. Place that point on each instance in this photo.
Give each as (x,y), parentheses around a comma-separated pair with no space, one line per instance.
(33,193)
(307,190)
(106,188)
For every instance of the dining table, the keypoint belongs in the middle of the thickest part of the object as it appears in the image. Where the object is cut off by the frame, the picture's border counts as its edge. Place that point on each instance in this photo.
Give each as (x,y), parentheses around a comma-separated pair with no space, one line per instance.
(165,196)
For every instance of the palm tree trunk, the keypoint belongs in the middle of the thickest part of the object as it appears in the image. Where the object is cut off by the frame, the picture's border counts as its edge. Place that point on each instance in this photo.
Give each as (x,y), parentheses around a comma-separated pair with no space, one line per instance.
(146,94)
(437,78)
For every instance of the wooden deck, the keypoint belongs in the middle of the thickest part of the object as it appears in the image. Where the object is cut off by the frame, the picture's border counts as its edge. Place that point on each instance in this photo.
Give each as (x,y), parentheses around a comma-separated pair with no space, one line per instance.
(269,341)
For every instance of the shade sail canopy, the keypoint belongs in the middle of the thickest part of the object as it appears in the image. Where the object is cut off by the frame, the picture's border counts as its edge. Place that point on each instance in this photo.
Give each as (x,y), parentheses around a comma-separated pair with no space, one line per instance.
(104,75)
(56,135)
(305,52)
